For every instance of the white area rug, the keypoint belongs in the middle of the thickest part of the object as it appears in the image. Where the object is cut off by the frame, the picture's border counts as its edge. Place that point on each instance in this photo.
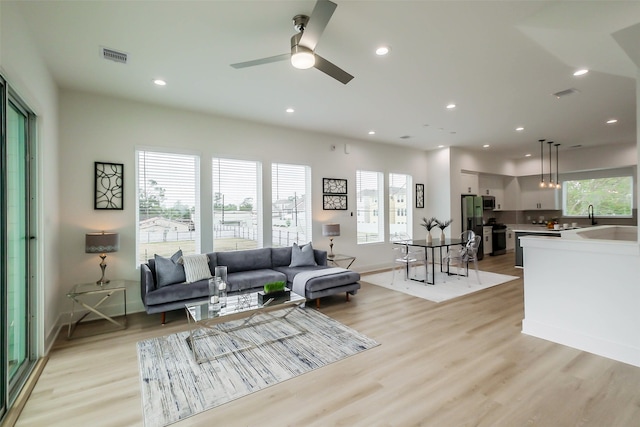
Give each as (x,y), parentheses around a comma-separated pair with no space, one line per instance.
(174,387)
(445,288)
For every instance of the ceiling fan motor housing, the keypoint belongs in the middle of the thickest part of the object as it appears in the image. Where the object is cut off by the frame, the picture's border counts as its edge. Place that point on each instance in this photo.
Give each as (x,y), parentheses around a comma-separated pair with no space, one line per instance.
(300,22)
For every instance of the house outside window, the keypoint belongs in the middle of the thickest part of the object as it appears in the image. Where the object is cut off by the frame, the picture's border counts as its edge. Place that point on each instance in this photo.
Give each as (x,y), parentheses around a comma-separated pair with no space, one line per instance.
(399,224)
(369,202)
(237,204)
(167,203)
(291,216)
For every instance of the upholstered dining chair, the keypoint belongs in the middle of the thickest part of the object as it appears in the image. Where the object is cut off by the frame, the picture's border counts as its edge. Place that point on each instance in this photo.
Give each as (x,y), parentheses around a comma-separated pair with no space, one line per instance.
(404,257)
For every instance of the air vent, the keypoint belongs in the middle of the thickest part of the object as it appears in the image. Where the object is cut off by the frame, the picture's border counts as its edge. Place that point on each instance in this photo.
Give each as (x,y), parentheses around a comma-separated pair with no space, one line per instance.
(405,137)
(114,55)
(566,92)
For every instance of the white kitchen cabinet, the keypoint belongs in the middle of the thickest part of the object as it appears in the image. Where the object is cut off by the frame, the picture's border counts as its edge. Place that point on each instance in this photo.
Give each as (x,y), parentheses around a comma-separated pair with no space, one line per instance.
(511,239)
(487,239)
(532,197)
(494,185)
(468,183)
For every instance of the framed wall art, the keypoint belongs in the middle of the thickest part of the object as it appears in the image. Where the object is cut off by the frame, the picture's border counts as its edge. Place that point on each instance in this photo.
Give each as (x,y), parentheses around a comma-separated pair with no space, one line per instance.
(109,184)
(334,186)
(419,195)
(334,202)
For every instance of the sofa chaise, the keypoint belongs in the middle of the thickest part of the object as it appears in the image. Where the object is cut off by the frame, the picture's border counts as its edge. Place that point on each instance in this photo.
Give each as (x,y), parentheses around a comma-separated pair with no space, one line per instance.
(165,286)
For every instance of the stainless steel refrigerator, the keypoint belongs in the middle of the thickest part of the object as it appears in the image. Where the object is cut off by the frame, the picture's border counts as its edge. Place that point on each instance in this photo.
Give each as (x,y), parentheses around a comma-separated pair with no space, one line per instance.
(472,218)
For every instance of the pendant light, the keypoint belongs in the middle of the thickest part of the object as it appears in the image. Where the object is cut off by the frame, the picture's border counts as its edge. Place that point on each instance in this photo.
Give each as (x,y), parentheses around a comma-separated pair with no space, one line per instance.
(551,185)
(558,185)
(542,184)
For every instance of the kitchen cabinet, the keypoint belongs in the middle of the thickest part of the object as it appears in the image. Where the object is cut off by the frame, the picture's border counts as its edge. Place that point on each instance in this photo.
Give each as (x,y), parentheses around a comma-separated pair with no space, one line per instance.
(519,250)
(487,239)
(469,183)
(502,188)
(532,197)
(511,239)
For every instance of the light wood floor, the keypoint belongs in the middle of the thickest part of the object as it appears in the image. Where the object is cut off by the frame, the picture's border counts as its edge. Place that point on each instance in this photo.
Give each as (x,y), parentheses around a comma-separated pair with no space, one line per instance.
(459,363)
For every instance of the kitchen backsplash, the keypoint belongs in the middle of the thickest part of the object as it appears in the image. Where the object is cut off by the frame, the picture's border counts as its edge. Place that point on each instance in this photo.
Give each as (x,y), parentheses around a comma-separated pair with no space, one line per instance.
(527,217)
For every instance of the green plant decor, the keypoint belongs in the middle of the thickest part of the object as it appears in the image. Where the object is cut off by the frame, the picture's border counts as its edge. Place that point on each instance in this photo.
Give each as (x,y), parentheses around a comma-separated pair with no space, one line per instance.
(443,224)
(428,223)
(274,287)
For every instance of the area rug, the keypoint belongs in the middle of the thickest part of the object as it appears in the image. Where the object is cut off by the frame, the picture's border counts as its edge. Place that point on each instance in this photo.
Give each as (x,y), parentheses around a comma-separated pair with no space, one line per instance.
(445,288)
(174,387)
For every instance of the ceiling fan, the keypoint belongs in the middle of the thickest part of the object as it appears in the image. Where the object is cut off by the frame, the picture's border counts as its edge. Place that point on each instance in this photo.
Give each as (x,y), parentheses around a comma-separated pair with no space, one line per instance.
(303,44)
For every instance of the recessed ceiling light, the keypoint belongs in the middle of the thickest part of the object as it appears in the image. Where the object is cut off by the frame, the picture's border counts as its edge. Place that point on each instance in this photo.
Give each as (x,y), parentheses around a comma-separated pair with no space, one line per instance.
(451,106)
(527,155)
(290,110)
(520,129)
(160,82)
(612,121)
(440,146)
(486,146)
(383,50)
(372,132)
(581,72)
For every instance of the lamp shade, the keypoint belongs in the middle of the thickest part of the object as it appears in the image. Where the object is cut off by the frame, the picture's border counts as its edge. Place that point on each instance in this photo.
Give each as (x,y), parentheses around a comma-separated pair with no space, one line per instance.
(331,229)
(100,243)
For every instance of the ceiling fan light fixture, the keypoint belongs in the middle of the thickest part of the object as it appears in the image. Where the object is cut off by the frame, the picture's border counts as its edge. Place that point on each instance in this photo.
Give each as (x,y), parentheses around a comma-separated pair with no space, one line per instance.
(302,58)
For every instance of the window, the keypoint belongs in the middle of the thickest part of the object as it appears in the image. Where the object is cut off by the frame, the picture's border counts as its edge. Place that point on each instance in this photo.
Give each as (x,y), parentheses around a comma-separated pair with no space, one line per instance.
(612,196)
(399,223)
(237,206)
(168,204)
(370,201)
(290,204)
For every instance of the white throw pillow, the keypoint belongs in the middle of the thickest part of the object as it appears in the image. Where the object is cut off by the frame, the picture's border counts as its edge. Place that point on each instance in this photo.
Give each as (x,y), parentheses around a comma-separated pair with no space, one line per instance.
(302,256)
(196,267)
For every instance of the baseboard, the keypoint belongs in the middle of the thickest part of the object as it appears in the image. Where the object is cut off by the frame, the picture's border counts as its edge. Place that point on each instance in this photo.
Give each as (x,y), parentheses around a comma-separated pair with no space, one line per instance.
(14,412)
(612,350)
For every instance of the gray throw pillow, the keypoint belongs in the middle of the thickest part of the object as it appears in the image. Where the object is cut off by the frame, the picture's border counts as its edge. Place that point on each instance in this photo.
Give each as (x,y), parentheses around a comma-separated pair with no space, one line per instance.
(168,270)
(302,256)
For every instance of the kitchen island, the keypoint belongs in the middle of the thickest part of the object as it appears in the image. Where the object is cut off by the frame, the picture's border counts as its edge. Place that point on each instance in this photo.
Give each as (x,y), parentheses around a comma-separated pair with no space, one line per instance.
(522,230)
(583,291)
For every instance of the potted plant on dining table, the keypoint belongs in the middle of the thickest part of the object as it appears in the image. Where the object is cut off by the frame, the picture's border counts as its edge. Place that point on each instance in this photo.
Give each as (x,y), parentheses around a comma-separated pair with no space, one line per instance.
(429,224)
(442,225)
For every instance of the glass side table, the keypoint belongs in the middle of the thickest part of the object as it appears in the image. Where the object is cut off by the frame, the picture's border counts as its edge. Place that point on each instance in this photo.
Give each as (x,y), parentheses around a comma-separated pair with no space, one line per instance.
(347,260)
(82,294)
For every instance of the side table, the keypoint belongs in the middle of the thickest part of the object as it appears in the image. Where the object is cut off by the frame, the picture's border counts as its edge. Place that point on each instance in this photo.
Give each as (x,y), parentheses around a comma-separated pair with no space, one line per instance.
(338,258)
(81,294)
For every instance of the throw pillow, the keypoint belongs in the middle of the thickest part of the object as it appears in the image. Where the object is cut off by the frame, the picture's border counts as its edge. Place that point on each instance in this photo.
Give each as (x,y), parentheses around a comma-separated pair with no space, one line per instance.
(196,267)
(302,256)
(168,270)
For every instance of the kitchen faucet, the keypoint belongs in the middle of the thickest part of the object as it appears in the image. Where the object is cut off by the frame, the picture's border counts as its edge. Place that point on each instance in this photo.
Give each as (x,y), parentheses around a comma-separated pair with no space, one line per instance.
(592,217)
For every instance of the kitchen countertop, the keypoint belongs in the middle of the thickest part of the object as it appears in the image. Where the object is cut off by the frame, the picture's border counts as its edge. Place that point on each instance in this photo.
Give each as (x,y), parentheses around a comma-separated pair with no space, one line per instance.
(532,228)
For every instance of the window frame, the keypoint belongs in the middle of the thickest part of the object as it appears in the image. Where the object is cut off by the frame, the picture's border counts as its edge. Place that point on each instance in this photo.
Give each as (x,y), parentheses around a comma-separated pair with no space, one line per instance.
(377,209)
(598,176)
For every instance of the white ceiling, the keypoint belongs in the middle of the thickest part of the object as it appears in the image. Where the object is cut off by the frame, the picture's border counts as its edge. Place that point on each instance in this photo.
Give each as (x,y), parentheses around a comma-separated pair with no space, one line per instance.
(498,61)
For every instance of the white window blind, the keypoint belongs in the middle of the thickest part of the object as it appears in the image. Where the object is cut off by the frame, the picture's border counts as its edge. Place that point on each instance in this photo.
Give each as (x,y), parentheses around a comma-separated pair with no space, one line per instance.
(399,205)
(168,204)
(237,204)
(369,204)
(291,204)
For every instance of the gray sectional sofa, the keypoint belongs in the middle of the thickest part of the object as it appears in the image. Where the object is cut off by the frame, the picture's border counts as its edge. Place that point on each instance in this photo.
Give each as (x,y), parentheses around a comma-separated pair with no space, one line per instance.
(164,288)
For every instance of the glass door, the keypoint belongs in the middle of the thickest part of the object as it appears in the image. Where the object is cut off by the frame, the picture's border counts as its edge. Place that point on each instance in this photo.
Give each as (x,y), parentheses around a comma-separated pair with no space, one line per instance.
(16,297)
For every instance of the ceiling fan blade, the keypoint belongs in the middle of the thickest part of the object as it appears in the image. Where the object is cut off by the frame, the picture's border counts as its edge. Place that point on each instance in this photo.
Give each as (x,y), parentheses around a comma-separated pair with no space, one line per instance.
(283,57)
(332,70)
(318,21)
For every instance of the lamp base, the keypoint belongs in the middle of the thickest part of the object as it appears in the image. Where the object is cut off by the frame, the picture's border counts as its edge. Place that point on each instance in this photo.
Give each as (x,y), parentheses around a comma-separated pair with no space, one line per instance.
(331,256)
(102,282)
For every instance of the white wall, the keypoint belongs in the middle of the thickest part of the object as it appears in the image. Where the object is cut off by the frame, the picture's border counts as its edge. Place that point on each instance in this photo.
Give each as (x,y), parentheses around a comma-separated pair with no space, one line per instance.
(99,128)
(21,65)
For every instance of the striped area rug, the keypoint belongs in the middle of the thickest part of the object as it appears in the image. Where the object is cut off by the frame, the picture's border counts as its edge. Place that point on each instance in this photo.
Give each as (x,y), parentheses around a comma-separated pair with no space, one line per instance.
(174,387)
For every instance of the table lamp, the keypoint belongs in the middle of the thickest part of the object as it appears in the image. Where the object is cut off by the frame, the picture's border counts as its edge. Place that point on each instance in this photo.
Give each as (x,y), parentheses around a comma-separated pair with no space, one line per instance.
(330,230)
(102,243)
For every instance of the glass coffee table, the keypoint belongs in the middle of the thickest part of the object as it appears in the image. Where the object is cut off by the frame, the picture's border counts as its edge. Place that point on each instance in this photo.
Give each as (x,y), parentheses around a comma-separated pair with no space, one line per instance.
(203,320)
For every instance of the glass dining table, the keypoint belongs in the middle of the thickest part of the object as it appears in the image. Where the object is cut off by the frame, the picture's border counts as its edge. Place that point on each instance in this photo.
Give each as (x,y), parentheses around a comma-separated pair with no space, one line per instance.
(433,245)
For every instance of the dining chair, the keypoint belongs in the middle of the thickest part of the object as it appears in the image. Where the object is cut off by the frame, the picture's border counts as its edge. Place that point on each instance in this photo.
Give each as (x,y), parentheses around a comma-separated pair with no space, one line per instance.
(462,255)
(405,257)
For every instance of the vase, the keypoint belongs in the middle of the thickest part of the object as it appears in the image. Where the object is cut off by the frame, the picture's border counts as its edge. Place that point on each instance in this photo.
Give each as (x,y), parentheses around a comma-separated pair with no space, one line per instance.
(429,238)
(442,236)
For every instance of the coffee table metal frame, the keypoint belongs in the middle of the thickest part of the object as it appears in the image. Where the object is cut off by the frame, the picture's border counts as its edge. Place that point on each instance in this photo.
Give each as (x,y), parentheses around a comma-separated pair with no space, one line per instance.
(202,320)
